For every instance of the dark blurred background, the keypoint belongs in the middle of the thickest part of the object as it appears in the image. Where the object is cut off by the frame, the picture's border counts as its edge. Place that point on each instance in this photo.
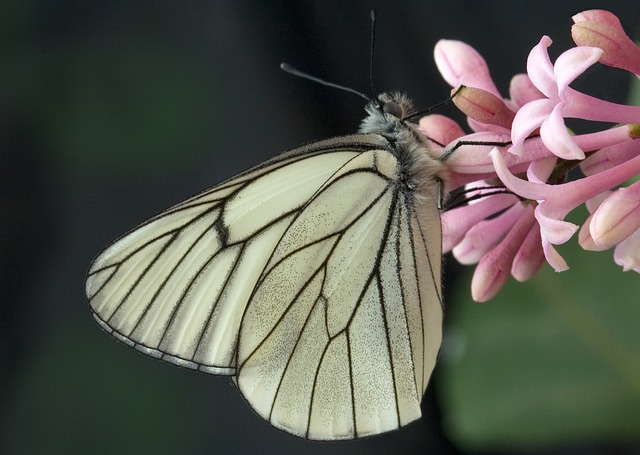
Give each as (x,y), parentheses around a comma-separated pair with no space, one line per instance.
(111,111)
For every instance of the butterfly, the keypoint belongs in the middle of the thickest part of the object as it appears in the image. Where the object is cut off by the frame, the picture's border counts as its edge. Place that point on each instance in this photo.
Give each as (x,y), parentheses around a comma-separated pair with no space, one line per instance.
(313,280)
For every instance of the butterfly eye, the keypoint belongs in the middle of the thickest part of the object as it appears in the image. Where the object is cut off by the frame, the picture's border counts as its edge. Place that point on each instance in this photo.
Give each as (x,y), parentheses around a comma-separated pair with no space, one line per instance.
(392,108)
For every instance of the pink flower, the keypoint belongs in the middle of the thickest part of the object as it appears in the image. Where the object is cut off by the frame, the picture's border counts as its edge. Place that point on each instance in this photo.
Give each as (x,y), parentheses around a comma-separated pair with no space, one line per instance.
(617,217)
(530,256)
(484,107)
(521,147)
(584,236)
(481,238)
(609,156)
(459,221)
(556,201)
(602,29)
(548,113)
(460,64)
(562,101)
(494,268)
(439,128)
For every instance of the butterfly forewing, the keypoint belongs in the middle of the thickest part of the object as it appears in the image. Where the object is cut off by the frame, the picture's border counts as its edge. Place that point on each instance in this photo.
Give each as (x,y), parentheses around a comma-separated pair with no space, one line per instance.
(177,285)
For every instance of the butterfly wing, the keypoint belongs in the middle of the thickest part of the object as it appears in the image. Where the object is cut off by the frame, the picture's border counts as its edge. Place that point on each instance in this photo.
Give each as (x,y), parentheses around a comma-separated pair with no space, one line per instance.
(176,286)
(307,277)
(345,323)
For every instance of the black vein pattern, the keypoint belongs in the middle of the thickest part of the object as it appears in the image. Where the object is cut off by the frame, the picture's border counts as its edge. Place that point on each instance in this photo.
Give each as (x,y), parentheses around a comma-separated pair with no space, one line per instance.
(311,278)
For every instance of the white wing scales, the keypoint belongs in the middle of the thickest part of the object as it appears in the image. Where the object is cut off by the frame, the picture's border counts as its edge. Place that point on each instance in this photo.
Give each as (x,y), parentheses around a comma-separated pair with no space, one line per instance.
(184,269)
(308,278)
(321,366)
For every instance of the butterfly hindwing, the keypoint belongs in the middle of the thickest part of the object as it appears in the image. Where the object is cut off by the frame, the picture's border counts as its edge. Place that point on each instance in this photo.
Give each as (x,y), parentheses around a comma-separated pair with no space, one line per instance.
(338,334)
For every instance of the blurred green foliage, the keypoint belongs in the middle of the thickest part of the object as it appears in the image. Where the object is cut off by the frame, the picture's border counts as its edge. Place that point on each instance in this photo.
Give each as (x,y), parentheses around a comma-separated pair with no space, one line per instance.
(551,362)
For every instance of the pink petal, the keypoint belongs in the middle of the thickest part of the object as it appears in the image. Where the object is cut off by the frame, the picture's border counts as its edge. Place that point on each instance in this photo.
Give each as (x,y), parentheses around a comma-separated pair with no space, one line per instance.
(553,257)
(493,270)
(540,69)
(527,190)
(560,199)
(530,256)
(471,162)
(440,128)
(460,64)
(554,230)
(609,157)
(457,222)
(598,15)
(529,118)
(480,127)
(540,170)
(489,278)
(586,241)
(584,236)
(580,105)
(627,253)
(557,138)
(615,136)
(593,203)
(522,90)
(572,63)
(617,217)
(485,235)
(473,158)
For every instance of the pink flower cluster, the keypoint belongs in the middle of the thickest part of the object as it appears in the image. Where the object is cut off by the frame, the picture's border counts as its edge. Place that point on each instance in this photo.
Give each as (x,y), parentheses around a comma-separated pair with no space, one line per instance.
(522,143)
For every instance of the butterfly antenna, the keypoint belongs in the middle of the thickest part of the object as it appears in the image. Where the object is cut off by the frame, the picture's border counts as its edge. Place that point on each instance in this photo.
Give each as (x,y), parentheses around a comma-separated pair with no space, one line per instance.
(295,72)
(374,93)
(423,112)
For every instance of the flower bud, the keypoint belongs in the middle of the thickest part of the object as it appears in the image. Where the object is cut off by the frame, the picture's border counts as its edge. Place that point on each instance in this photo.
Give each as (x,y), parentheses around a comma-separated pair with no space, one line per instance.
(599,28)
(484,107)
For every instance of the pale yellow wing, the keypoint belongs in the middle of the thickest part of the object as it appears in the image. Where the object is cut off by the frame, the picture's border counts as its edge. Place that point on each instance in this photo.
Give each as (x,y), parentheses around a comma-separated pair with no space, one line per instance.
(344,327)
(176,286)
(312,278)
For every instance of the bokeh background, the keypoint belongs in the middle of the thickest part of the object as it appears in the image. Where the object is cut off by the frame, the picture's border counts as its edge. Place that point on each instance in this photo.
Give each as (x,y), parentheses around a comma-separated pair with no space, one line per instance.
(111,111)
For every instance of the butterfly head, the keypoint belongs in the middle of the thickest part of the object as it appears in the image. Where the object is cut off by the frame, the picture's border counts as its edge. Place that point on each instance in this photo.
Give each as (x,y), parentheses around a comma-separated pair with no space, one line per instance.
(387,114)
(395,104)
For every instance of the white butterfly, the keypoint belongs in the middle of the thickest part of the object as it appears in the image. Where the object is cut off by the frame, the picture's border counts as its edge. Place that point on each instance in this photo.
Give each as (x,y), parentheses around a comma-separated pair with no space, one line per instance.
(313,280)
